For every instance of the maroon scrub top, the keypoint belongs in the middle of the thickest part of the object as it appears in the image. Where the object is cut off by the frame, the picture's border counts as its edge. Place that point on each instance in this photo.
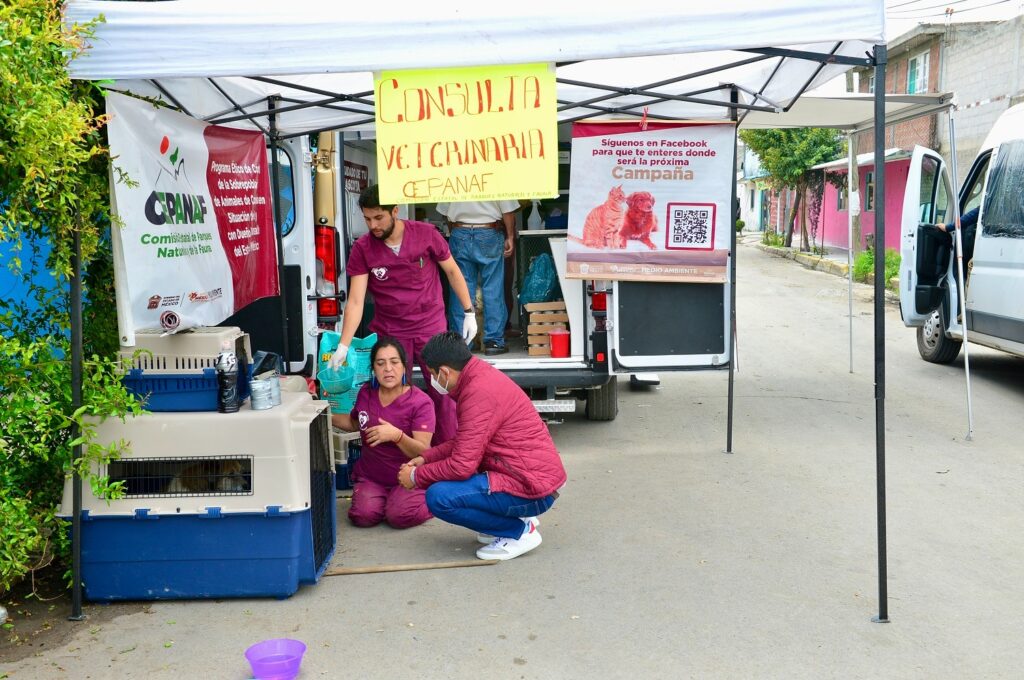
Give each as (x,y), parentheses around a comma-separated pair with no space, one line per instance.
(411,412)
(406,288)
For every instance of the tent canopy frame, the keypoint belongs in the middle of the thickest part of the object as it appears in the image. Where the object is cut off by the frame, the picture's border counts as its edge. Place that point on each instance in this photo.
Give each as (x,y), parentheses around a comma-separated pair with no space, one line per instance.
(328,100)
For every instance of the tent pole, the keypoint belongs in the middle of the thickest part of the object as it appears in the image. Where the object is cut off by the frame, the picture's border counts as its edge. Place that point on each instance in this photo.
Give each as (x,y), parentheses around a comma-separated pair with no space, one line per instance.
(76,403)
(961,282)
(275,169)
(851,192)
(881,57)
(733,353)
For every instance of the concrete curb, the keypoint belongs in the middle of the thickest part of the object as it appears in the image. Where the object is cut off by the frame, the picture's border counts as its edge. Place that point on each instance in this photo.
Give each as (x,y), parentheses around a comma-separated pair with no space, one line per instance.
(821,264)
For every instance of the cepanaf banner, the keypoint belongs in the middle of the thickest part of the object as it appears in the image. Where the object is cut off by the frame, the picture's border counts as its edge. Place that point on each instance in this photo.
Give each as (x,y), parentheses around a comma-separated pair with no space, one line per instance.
(651,204)
(196,242)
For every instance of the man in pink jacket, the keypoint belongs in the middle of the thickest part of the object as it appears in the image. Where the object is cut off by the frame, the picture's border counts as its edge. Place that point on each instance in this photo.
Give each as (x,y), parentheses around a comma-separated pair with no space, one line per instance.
(501,470)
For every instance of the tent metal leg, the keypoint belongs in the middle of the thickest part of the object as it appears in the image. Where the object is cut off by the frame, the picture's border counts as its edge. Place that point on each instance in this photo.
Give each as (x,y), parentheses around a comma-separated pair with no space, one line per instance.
(852,192)
(961,282)
(76,403)
(881,58)
(734,97)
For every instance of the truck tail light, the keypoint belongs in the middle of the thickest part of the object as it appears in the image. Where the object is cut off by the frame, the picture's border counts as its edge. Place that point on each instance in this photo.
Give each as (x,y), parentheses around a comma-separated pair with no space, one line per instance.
(326,243)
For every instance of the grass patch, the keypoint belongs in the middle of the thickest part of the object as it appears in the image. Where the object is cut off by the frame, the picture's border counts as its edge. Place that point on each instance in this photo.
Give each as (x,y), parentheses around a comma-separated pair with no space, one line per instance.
(864,266)
(772,239)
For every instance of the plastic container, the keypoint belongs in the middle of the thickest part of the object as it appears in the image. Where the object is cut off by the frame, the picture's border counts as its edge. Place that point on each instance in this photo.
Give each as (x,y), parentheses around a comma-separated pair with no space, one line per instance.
(263,393)
(179,391)
(276,659)
(559,343)
(534,221)
(343,471)
(275,390)
(187,352)
(337,385)
(268,541)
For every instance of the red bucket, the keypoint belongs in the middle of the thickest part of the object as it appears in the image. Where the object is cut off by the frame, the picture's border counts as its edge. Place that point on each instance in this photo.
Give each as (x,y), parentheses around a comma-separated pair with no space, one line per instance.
(559,343)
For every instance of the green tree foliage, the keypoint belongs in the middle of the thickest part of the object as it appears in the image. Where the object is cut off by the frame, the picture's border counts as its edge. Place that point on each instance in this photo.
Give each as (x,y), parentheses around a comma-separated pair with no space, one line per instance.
(788,155)
(53,182)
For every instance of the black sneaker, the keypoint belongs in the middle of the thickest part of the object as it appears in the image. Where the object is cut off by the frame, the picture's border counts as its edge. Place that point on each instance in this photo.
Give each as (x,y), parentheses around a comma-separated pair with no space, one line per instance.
(492,348)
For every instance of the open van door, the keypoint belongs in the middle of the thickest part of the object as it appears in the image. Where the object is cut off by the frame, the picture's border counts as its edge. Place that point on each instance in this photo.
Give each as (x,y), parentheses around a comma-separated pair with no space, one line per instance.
(924,250)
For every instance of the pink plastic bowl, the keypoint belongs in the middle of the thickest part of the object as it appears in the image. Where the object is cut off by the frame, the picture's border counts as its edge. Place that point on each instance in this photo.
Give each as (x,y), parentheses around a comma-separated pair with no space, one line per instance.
(276,659)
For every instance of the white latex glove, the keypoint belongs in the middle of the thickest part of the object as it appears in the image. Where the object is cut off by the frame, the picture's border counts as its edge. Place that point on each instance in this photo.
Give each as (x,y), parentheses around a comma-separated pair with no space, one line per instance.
(338,358)
(469,327)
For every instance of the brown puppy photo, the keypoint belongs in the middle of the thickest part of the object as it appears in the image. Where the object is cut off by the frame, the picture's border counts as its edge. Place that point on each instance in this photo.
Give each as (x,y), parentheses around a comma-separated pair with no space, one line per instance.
(639,220)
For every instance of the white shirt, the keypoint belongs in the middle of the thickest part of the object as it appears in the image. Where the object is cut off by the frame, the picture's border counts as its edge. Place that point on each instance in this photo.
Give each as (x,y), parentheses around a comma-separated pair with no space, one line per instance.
(477,212)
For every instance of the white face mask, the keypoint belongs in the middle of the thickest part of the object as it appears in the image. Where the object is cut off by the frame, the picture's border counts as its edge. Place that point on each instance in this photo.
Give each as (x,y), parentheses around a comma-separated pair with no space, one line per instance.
(437,386)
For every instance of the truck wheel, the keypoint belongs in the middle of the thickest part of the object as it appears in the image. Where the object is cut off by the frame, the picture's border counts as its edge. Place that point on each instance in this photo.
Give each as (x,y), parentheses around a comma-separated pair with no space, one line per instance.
(603,401)
(932,343)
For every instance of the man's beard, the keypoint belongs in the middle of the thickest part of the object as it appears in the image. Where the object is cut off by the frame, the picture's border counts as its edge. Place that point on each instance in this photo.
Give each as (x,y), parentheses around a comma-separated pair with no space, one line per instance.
(387,232)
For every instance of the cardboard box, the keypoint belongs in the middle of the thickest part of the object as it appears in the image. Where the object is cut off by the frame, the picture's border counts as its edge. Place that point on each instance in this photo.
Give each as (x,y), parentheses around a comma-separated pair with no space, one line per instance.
(539,340)
(544,328)
(549,317)
(556,306)
(535,351)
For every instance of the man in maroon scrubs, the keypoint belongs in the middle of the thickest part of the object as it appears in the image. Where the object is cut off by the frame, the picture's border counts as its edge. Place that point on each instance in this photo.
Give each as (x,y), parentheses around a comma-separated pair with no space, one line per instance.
(398,262)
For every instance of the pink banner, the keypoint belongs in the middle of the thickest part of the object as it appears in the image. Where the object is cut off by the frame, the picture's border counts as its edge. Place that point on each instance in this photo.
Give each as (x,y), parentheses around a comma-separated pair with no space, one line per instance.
(239,184)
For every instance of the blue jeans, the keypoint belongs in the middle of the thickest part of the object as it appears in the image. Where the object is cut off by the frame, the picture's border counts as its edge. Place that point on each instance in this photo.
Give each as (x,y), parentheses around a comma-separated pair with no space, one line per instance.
(479,254)
(470,504)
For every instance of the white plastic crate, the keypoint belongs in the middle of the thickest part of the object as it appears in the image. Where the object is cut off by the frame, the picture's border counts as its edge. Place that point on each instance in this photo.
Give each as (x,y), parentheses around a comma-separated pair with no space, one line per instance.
(186,352)
(339,442)
(250,461)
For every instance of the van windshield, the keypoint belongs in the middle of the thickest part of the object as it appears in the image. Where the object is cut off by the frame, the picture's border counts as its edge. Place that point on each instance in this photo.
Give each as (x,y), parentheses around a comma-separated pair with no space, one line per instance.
(1003,214)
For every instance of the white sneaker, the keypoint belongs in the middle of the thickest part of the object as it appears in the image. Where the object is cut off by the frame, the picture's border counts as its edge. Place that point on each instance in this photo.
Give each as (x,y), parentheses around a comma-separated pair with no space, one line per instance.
(487,538)
(507,548)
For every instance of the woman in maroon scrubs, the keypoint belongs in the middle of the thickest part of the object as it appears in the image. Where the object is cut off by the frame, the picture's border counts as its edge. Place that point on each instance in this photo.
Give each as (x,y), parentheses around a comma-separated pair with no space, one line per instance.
(396,421)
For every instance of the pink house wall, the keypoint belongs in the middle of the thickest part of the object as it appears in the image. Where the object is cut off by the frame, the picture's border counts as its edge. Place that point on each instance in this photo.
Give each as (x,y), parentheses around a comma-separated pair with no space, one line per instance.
(836,222)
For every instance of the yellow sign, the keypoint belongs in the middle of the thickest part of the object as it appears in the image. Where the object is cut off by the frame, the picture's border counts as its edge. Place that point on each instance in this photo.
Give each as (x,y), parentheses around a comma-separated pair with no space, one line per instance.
(482,133)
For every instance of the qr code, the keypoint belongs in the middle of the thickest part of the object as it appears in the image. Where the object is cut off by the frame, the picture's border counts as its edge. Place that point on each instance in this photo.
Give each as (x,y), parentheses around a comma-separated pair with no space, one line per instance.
(691,226)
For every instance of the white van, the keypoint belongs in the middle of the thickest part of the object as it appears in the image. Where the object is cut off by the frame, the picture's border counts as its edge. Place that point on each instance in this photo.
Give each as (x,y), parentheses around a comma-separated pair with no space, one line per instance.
(616,328)
(929,297)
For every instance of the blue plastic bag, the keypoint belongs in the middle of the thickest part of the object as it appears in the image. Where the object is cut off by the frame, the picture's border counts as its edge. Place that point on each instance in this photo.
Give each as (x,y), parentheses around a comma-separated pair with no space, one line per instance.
(541,282)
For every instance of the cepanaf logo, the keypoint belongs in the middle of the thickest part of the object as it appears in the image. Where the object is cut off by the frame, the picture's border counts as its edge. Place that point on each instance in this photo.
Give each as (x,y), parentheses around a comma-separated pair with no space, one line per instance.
(364,418)
(172,207)
(154,302)
(380,272)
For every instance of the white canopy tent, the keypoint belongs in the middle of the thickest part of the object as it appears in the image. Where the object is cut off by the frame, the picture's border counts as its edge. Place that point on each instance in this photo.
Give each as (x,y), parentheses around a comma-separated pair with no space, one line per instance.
(850,113)
(198,38)
(304,66)
(214,58)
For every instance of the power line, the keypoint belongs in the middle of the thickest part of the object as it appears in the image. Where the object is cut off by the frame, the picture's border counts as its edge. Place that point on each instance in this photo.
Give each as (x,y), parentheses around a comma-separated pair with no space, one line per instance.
(921,9)
(958,12)
(902,4)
